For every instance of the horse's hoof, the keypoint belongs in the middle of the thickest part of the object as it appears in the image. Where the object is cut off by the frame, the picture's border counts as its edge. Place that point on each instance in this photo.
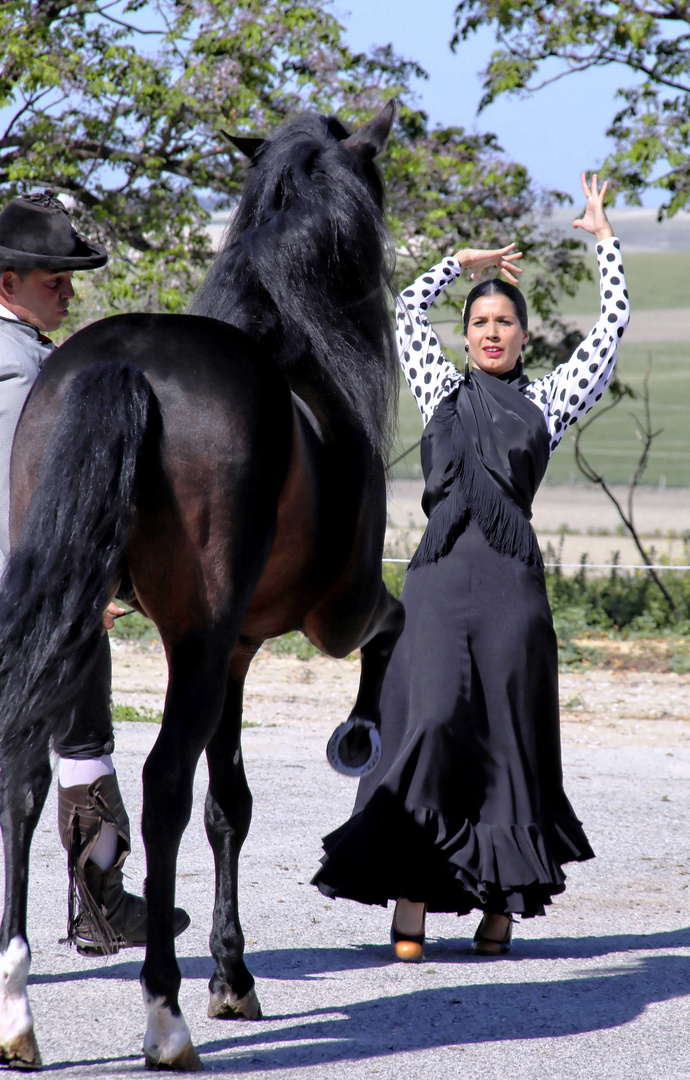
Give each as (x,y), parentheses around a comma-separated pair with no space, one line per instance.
(186,1061)
(22,1053)
(226,1006)
(354,748)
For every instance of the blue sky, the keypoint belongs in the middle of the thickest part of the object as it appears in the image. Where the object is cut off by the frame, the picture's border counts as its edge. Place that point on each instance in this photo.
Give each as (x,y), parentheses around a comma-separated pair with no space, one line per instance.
(555,133)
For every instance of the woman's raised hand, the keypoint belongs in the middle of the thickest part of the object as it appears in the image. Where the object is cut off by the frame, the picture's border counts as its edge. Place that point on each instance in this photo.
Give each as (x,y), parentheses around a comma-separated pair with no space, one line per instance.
(502,260)
(594,219)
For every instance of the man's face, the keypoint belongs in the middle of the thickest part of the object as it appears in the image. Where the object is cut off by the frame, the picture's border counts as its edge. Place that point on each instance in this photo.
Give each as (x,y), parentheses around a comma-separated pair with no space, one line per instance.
(41,299)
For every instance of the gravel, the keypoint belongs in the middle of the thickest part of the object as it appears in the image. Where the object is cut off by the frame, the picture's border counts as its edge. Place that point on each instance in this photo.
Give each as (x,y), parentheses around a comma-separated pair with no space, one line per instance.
(600,988)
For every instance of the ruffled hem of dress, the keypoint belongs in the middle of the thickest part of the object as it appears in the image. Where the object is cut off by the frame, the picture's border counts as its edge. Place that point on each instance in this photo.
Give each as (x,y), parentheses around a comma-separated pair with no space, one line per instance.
(416,853)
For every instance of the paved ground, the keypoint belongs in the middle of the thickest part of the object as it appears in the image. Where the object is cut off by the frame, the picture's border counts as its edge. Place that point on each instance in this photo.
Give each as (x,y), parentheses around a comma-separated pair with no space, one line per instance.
(598,989)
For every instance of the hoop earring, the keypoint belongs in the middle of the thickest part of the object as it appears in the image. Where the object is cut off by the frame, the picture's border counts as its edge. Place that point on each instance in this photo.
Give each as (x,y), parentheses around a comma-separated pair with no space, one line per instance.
(467,363)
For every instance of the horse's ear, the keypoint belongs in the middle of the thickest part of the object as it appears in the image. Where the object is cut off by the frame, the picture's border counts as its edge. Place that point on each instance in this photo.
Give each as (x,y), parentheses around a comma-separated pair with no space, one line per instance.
(369,140)
(249,147)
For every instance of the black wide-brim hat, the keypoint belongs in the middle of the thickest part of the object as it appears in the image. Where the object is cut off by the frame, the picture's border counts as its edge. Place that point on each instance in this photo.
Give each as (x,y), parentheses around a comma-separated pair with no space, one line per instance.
(35,231)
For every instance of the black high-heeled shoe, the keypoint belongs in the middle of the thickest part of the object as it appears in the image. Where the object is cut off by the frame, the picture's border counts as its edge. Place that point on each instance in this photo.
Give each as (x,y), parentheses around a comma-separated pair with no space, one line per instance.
(408,947)
(484,946)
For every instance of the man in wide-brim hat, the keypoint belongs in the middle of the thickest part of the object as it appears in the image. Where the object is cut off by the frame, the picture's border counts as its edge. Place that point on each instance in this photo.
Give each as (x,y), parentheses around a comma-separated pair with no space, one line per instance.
(39,251)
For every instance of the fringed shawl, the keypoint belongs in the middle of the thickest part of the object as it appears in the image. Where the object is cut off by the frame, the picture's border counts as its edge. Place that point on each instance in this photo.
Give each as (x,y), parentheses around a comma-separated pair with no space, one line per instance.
(484,454)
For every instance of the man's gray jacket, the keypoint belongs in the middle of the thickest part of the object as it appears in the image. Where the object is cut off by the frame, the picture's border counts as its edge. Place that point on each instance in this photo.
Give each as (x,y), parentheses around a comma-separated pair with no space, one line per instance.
(22,352)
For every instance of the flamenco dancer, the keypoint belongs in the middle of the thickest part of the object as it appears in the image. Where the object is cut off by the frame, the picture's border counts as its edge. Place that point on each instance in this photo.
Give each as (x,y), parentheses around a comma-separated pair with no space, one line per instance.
(466,808)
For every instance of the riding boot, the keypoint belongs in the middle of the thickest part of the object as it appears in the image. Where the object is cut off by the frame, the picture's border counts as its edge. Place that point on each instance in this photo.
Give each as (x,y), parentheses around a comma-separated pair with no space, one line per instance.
(102,917)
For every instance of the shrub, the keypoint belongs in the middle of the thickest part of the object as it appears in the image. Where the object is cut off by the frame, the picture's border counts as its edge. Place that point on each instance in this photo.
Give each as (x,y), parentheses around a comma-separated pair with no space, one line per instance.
(625,603)
(292,644)
(134,627)
(132,715)
(628,602)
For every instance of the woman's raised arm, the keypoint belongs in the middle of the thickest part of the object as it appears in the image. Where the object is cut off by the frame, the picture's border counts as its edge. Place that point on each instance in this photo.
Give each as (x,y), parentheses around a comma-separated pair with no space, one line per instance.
(474,261)
(594,219)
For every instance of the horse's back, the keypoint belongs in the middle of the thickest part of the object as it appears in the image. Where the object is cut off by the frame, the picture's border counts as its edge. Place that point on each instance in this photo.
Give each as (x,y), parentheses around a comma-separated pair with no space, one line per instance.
(241,471)
(188,353)
(206,375)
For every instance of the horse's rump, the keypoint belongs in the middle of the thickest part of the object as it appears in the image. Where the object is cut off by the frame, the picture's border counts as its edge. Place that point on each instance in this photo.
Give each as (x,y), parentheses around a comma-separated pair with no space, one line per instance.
(138,459)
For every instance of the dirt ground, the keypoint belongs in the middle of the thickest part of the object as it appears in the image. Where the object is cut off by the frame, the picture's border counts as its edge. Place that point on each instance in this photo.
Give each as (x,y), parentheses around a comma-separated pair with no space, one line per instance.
(630,702)
(582,518)
(599,708)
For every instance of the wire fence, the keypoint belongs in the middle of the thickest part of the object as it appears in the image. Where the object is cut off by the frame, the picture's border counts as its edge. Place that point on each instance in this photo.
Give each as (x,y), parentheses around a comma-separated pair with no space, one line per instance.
(593,566)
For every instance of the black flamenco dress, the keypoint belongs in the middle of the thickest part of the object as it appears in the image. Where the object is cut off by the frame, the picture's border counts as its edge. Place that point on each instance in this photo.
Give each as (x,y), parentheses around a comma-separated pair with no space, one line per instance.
(466,808)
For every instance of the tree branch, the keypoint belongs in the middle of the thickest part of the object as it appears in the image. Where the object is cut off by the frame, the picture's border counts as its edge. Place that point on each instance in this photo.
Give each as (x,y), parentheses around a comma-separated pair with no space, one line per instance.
(29,104)
(587,470)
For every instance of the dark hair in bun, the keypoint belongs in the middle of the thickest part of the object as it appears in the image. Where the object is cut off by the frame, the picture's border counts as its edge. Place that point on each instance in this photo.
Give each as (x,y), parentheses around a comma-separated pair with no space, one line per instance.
(490,288)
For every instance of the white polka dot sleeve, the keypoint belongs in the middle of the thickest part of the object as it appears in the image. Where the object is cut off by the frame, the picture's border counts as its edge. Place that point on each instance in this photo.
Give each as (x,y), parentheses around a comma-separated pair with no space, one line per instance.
(570,390)
(428,374)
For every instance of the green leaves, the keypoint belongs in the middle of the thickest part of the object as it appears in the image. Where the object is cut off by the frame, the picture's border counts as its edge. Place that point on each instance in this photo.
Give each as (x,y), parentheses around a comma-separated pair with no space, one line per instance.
(120,105)
(651,130)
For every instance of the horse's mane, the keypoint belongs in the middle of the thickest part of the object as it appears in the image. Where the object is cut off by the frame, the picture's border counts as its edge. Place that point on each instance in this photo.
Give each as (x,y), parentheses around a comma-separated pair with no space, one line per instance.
(307,263)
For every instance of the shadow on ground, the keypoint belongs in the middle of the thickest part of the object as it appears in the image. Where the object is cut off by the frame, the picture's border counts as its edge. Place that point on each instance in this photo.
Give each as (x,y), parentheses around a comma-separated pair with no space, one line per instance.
(462,1015)
(306,963)
(435,1018)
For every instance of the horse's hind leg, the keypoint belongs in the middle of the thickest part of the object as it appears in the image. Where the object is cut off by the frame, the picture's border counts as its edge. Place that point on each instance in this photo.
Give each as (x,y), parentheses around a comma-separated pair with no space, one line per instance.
(196,692)
(24,785)
(228,814)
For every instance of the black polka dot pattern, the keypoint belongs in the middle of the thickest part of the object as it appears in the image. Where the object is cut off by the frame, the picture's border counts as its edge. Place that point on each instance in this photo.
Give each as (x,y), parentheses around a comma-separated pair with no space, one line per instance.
(429,375)
(574,387)
(564,395)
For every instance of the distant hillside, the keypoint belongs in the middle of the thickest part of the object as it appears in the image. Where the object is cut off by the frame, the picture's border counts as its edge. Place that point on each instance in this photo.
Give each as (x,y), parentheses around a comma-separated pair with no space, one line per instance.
(639,230)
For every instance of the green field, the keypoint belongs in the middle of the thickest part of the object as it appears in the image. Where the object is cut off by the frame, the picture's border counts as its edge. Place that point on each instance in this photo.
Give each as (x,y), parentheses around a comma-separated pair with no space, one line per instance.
(655,281)
(612,445)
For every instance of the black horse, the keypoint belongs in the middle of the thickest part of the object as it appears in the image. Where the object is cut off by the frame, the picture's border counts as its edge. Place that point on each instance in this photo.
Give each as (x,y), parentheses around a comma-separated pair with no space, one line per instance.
(224,472)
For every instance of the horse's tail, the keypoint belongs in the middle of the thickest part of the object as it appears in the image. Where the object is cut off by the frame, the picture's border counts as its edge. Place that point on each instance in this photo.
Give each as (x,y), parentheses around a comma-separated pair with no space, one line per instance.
(70,550)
